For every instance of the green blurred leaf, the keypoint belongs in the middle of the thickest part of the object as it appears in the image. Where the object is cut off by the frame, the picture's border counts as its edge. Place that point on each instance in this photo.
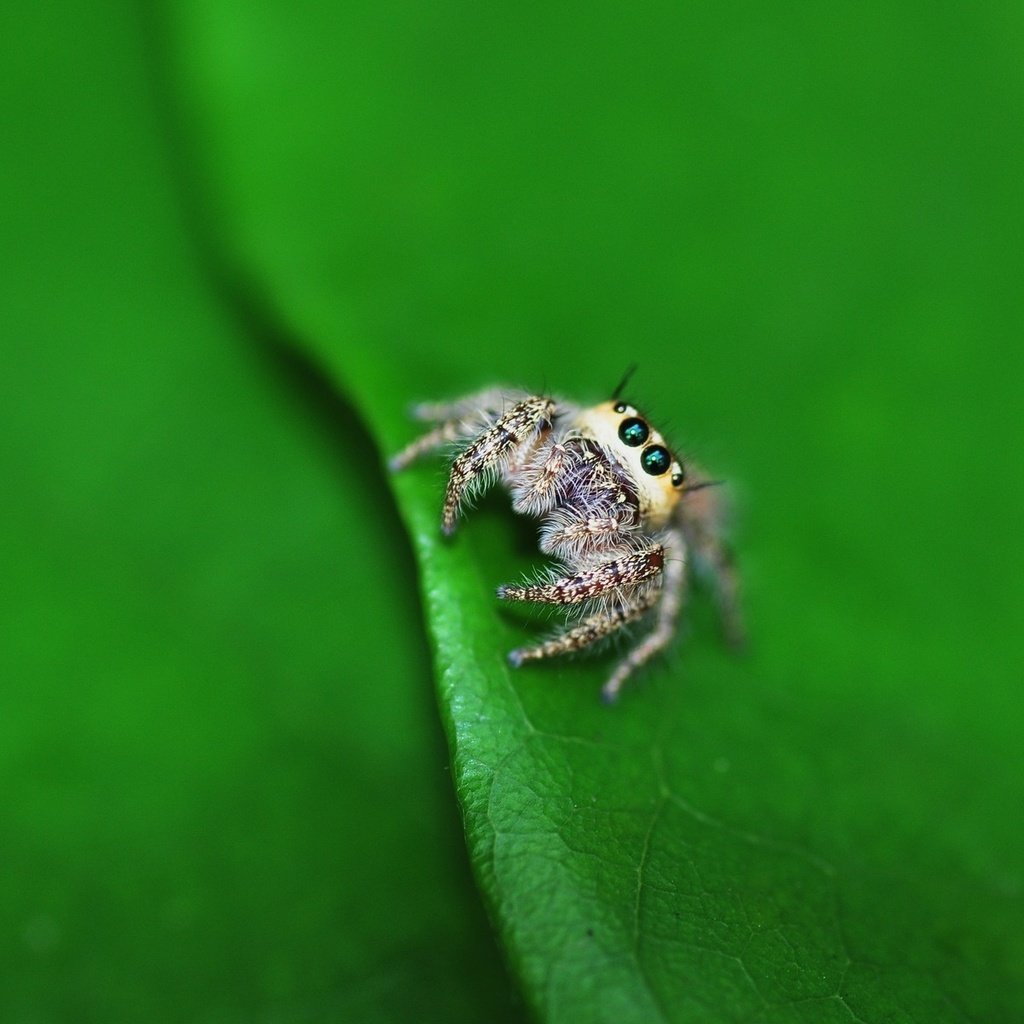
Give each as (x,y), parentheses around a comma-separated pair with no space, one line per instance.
(225,796)
(804,225)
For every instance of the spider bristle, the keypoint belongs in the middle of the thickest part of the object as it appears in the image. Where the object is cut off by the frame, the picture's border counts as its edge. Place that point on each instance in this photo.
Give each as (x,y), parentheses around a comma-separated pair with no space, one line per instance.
(690,488)
(617,393)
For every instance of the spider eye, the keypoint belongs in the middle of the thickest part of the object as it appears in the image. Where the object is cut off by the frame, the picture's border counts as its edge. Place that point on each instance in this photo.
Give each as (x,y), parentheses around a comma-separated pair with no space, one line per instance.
(655,460)
(678,478)
(620,406)
(633,432)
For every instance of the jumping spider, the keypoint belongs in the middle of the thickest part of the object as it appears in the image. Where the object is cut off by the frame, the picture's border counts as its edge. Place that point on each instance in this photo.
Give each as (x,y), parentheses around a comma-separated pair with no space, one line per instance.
(617,511)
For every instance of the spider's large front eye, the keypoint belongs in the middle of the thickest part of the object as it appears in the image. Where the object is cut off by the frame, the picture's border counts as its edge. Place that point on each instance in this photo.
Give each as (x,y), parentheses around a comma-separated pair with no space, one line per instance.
(655,460)
(633,432)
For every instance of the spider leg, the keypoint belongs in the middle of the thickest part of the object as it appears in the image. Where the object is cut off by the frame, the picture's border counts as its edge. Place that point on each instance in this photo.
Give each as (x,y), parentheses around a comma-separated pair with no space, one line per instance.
(490,401)
(668,612)
(456,420)
(573,537)
(443,434)
(702,524)
(727,588)
(624,571)
(535,477)
(491,449)
(587,632)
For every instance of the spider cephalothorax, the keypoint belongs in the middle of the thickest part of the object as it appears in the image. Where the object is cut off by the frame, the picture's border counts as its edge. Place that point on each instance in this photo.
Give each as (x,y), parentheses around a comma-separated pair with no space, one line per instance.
(617,512)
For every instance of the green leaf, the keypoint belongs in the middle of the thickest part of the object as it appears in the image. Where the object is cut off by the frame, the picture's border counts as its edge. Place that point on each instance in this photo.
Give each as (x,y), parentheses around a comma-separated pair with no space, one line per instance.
(801,227)
(222,800)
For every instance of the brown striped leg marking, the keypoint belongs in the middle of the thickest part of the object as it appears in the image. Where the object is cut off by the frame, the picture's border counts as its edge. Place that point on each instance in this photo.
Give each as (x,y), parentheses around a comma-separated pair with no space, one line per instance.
(626,571)
(490,449)
(587,632)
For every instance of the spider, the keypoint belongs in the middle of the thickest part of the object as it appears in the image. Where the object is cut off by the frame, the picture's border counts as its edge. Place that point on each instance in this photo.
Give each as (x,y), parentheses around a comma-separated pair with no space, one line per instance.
(617,510)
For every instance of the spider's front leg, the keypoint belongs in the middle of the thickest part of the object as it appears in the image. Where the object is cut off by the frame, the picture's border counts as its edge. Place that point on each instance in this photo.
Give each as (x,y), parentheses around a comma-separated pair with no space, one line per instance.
(455,420)
(510,420)
(491,450)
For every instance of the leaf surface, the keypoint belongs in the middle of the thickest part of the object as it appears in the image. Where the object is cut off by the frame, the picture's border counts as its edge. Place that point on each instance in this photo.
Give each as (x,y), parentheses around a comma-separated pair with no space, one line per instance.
(797,227)
(219,802)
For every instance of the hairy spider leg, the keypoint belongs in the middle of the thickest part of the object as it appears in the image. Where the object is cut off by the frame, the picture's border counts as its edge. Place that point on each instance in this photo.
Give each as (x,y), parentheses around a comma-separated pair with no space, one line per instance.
(460,419)
(441,435)
(625,571)
(491,450)
(568,539)
(534,487)
(491,401)
(587,632)
(702,526)
(672,591)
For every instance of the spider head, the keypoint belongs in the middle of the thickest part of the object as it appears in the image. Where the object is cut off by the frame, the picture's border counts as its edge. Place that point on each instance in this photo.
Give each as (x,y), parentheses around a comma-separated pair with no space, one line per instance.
(637,446)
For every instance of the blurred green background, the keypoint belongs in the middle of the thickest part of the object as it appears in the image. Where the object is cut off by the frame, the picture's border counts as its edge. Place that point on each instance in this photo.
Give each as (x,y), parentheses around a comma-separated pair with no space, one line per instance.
(239,241)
